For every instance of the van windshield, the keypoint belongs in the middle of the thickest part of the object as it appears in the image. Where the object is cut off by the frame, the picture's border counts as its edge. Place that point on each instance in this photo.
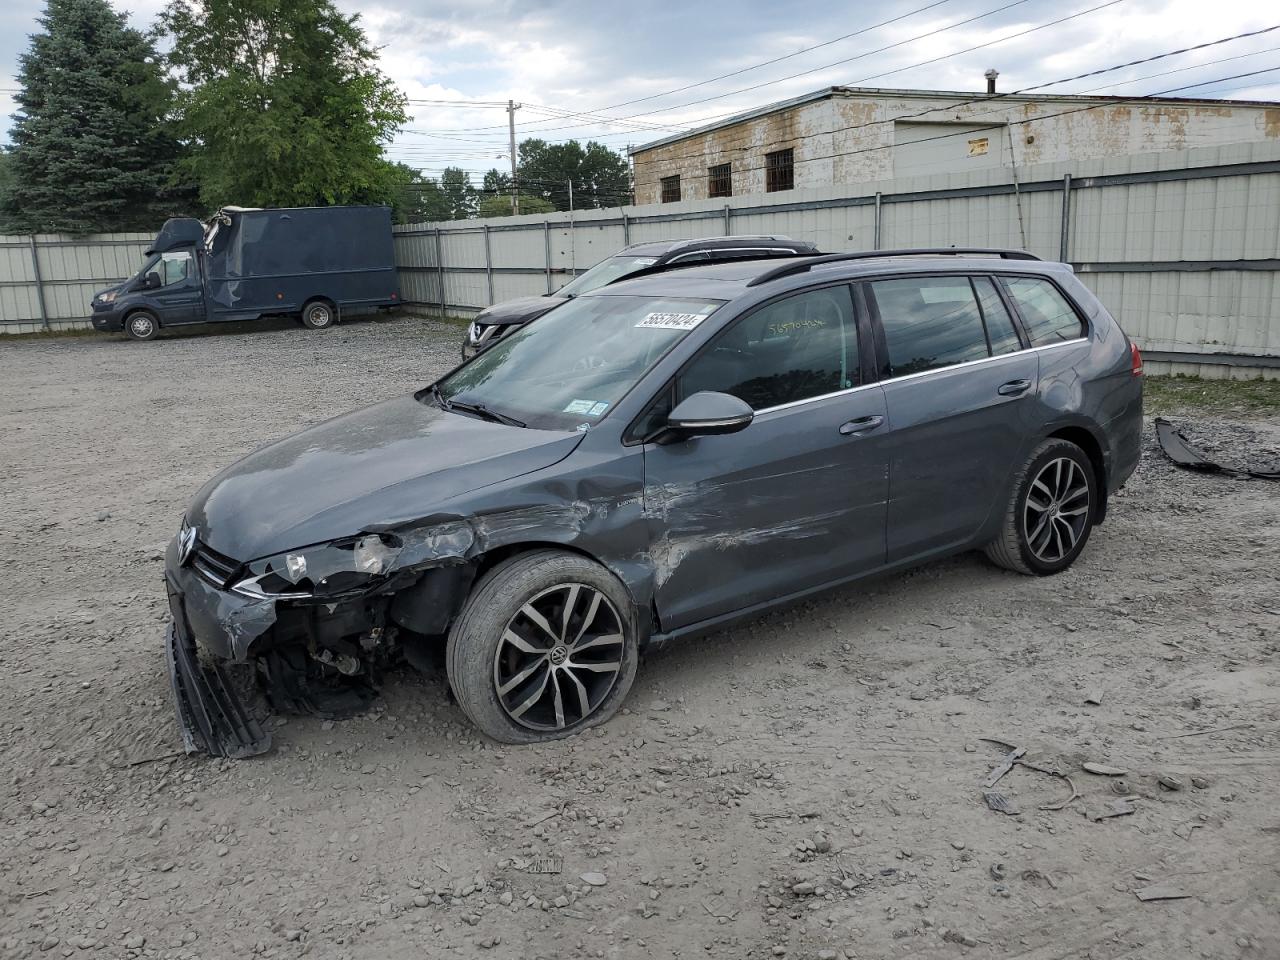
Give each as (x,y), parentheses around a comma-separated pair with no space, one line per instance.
(567,369)
(606,271)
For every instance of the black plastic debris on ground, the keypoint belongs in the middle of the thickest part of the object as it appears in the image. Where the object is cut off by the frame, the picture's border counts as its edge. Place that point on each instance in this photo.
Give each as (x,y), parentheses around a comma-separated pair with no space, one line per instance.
(1185,454)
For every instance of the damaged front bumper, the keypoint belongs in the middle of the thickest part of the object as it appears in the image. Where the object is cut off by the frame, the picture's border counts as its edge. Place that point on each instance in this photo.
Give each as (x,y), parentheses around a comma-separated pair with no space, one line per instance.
(234,658)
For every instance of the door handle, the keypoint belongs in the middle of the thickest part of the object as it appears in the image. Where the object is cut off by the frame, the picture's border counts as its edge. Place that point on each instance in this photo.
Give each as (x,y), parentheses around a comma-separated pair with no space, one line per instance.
(1014,388)
(851,428)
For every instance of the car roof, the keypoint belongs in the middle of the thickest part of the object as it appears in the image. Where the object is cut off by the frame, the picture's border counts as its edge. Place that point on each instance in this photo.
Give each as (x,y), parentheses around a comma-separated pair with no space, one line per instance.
(660,248)
(727,279)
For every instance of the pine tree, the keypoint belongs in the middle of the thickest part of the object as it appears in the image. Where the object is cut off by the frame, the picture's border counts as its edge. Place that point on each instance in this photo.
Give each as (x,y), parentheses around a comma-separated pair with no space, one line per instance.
(90,151)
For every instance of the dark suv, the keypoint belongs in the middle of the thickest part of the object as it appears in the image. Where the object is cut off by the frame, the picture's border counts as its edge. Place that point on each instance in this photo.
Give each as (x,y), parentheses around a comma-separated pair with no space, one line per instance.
(653,460)
(492,324)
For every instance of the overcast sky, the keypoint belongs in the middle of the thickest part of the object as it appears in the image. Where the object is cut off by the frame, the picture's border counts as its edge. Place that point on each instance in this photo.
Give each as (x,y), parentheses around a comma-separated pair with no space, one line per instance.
(578,56)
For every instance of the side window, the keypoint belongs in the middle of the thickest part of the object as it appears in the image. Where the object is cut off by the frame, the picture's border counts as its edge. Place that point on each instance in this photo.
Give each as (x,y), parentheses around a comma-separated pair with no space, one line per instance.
(174,268)
(1001,333)
(1045,312)
(929,322)
(800,347)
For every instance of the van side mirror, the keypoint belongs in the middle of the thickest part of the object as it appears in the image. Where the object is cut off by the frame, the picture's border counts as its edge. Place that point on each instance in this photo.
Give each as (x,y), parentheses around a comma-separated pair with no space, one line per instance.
(707,413)
(150,282)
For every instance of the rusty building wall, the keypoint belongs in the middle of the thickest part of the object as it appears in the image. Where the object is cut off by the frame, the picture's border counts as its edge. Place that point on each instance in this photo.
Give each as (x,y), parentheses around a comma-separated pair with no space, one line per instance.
(845,139)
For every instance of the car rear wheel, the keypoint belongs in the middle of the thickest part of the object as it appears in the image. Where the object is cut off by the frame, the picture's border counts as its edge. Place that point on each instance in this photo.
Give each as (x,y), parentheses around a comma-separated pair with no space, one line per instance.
(1051,511)
(319,314)
(141,325)
(545,647)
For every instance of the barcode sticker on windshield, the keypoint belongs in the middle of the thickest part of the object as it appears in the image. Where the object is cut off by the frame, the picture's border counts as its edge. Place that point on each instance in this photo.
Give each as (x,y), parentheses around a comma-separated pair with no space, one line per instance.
(673,321)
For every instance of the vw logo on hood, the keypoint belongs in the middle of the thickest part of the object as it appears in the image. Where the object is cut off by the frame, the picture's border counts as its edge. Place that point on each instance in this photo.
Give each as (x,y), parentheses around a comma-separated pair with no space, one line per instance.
(186,545)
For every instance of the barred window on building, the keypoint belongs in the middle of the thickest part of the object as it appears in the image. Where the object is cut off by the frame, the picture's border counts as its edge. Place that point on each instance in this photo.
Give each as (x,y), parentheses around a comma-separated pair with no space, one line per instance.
(720,180)
(670,189)
(779,170)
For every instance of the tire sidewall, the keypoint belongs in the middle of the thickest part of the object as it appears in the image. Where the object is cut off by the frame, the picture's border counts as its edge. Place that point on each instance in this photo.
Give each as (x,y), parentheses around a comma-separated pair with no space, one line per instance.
(1048,453)
(474,637)
(141,314)
(329,312)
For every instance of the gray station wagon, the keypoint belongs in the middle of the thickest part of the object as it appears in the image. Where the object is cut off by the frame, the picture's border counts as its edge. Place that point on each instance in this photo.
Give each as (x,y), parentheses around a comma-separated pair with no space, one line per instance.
(646,462)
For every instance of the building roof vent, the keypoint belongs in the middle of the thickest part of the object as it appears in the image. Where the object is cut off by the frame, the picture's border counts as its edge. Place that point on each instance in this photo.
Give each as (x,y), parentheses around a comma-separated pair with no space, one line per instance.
(991,75)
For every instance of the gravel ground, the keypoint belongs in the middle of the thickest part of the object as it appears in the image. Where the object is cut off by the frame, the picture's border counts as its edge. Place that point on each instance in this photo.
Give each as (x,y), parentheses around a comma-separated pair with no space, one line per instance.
(808,785)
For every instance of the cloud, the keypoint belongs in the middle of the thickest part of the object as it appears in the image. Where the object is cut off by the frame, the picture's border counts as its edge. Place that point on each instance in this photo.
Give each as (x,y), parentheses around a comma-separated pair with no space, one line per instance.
(575,56)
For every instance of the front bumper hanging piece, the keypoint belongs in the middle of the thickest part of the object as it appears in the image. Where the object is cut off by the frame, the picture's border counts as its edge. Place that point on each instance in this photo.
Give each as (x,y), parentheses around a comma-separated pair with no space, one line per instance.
(211,714)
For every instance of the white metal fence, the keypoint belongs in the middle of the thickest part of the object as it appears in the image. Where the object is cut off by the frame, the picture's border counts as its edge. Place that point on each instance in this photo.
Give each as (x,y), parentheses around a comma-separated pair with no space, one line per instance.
(1184,247)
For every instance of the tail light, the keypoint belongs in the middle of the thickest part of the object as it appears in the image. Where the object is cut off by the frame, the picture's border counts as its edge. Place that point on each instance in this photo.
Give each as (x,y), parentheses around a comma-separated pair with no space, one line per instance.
(1135,360)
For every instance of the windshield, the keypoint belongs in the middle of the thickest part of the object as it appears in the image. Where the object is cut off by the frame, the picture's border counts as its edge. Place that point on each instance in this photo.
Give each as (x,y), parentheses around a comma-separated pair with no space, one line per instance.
(568,368)
(606,271)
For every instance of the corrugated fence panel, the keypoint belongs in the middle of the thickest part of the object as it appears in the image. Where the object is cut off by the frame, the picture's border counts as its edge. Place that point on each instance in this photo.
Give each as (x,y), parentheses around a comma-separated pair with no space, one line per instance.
(1182,246)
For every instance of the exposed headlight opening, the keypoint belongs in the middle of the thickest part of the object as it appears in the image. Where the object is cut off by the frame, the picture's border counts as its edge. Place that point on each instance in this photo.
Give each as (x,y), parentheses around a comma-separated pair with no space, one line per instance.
(332,569)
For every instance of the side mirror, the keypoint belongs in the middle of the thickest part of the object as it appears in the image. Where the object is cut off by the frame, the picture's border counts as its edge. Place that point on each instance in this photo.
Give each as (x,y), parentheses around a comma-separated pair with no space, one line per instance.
(706,414)
(151,281)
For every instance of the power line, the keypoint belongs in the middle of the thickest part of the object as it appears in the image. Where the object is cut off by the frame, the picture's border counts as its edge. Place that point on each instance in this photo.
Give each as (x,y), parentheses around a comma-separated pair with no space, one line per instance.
(767,63)
(860,56)
(1113,101)
(990,43)
(988,98)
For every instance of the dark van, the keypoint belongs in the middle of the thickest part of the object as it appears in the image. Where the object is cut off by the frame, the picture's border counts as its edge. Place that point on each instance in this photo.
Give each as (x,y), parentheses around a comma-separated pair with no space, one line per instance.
(243,264)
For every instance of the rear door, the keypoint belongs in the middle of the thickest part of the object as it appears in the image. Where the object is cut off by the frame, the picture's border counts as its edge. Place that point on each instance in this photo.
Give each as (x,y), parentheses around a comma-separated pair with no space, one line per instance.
(795,500)
(958,384)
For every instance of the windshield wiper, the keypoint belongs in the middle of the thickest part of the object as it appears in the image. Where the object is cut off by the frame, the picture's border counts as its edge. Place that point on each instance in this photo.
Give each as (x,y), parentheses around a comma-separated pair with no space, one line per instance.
(483,412)
(441,401)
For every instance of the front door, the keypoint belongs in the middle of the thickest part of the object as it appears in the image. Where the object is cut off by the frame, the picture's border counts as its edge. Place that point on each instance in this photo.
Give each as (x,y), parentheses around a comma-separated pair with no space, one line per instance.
(180,296)
(959,386)
(794,501)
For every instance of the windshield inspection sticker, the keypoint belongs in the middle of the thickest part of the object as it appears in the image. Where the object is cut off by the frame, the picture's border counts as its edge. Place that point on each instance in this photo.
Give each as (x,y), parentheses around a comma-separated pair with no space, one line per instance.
(591,408)
(673,321)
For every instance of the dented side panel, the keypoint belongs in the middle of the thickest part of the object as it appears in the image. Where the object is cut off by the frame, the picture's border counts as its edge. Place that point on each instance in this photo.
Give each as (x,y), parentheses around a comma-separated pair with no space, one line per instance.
(753,516)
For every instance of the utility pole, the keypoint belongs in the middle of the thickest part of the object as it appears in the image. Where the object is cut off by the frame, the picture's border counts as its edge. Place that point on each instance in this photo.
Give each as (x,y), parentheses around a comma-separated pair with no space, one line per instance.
(512,107)
(573,237)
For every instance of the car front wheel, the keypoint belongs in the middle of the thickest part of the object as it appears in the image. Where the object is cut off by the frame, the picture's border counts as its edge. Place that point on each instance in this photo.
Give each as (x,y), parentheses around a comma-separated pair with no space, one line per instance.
(1050,514)
(141,325)
(545,647)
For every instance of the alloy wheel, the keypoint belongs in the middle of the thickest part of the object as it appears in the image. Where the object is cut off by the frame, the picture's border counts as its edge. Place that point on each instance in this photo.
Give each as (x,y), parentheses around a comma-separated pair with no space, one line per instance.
(141,325)
(1057,510)
(559,657)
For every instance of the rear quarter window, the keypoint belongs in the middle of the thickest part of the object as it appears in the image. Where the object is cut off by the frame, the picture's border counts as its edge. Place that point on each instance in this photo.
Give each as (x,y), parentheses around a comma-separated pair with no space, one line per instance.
(1046,314)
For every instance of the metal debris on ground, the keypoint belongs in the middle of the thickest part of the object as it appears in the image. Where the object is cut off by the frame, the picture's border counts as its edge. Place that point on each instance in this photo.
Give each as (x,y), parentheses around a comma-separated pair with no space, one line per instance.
(545,865)
(1185,454)
(1000,803)
(1161,891)
(1102,770)
(1116,808)
(1005,765)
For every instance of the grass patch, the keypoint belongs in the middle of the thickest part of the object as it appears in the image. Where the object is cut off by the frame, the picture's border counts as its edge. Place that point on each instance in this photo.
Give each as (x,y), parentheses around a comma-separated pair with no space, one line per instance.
(54,334)
(1167,394)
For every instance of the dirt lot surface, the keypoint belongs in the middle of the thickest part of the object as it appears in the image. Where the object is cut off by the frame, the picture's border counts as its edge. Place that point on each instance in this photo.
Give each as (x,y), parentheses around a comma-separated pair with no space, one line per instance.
(808,786)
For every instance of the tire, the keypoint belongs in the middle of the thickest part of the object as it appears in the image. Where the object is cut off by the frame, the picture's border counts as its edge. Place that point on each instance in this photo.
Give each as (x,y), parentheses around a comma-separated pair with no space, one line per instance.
(141,325)
(319,314)
(509,689)
(1041,542)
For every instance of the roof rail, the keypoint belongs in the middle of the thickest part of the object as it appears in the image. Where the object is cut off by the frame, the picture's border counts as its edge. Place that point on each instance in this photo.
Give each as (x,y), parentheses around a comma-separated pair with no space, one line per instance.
(788,269)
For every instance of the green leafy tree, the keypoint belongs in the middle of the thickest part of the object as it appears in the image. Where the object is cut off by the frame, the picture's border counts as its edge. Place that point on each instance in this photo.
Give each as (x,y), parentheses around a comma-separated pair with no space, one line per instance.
(283,103)
(601,177)
(456,185)
(417,199)
(90,149)
(499,205)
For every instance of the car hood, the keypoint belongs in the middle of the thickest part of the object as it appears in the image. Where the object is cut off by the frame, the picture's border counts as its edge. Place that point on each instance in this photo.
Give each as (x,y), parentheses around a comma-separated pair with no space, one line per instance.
(518,311)
(117,288)
(384,465)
